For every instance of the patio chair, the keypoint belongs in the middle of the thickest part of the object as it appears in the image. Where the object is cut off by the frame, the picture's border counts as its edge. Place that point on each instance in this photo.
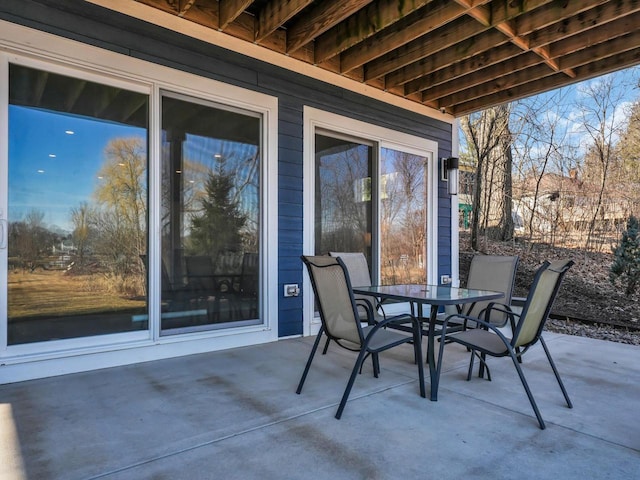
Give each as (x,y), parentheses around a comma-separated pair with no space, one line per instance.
(341,322)
(489,340)
(496,273)
(358,269)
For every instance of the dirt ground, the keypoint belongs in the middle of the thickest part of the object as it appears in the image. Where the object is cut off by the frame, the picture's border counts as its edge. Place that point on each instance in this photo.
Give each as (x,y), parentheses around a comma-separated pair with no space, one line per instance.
(586,292)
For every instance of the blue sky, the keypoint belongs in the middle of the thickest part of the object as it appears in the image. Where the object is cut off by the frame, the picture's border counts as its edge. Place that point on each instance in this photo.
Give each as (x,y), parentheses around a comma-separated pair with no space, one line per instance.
(51,170)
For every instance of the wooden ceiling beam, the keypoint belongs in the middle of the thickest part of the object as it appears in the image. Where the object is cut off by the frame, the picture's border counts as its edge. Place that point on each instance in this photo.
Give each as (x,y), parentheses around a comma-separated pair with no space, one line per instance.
(355,29)
(429,18)
(184,6)
(533,74)
(455,31)
(590,70)
(422,71)
(591,37)
(554,13)
(230,10)
(545,15)
(601,51)
(511,75)
(321,18)
(466,50)
(475,77)
(275,13)
(620,12)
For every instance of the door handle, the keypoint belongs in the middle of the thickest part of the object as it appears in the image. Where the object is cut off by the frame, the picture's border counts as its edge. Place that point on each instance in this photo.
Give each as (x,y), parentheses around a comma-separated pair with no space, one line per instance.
(4,230)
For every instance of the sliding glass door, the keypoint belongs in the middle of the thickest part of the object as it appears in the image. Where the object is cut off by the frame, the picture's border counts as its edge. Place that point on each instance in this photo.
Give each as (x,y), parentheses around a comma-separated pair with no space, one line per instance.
(76,207)
(372,198)
(210,215)
(343,201)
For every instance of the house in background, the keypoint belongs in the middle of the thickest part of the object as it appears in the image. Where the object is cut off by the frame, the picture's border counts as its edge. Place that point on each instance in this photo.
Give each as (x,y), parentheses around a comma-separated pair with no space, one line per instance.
(192,151)
(564,207)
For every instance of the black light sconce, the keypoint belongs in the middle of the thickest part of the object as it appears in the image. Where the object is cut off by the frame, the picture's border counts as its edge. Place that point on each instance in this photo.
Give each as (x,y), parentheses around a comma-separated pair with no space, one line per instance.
(450,174)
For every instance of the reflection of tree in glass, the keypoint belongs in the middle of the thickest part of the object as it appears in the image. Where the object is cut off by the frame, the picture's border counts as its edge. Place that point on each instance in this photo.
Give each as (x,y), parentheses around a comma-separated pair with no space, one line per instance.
(402,215)
(218,226)
(30,241)
(120,219)
(81,220)
(343,199)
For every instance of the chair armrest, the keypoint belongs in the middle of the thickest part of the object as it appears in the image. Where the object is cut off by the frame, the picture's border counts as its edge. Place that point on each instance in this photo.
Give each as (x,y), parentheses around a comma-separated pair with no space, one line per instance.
(486,325)
(395,318)
(502,308)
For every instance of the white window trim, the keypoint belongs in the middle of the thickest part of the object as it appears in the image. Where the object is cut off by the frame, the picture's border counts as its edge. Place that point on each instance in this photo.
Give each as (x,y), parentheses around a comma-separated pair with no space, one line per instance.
(41,50)
(384,137)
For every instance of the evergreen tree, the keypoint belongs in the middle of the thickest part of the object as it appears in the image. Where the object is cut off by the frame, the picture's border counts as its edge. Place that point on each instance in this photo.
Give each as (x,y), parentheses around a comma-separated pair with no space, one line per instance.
(626,264)
(218,227)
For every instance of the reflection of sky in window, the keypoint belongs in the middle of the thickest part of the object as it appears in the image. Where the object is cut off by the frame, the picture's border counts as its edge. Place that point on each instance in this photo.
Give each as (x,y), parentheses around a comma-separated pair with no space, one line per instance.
(51,170)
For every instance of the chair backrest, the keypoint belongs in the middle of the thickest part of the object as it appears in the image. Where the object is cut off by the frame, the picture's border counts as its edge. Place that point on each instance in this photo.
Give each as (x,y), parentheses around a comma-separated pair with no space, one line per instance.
(492,272)
(542,294)
(200,272)
(357,266)
(332,288)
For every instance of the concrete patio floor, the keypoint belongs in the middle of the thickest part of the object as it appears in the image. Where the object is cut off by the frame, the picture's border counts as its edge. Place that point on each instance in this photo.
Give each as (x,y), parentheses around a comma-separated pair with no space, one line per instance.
(234,415)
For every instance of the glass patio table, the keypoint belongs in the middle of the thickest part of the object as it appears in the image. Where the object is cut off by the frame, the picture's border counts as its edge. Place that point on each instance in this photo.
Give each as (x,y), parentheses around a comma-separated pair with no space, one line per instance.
(434,296)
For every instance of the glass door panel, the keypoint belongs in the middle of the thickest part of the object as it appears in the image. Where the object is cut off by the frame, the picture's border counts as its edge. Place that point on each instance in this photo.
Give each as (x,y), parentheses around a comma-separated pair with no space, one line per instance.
(343,200)
(210,216)
(403,217)
(77,207)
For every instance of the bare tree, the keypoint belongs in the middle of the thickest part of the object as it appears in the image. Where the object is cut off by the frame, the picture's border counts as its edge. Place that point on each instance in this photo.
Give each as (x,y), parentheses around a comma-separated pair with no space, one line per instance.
(488,138)
(121,214)
(600,118)
(543,154)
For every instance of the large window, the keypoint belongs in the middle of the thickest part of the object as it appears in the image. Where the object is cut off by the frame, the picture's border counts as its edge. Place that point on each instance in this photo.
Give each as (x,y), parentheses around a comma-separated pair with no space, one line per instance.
(138,209)
(77,207)
(343,219)
(372,199)
(373,190)
(402,184)
(211,163)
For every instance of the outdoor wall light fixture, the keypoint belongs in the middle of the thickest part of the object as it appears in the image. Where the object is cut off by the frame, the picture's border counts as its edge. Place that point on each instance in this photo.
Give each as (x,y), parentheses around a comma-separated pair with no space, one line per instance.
(450,174)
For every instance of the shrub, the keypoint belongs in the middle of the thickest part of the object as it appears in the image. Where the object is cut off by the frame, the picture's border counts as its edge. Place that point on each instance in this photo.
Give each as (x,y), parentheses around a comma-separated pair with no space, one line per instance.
(626,264)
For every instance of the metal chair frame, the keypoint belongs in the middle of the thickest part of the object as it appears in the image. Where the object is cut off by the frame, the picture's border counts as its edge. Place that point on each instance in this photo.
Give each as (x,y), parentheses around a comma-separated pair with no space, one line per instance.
(489,332)
(363,345)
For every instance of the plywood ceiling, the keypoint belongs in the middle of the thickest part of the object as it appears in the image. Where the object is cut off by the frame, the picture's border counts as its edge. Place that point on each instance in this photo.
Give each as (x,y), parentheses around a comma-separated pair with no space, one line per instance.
(458,56)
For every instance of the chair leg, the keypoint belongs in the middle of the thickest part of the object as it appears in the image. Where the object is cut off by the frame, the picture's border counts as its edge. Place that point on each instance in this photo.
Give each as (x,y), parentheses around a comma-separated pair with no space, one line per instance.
(352,379)
(306,368)
(481,369)
(483,362)
(528,390)
(376,364)
(417,352)
(555,371)
(471,361)
(326,346)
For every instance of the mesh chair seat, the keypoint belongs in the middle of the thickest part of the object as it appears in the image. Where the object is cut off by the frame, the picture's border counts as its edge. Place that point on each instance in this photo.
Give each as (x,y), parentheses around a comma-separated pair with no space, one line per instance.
(483,340)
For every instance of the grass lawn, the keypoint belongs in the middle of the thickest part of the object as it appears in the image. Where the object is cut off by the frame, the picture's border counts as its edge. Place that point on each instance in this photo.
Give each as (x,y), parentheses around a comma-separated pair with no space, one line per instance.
(52,293)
